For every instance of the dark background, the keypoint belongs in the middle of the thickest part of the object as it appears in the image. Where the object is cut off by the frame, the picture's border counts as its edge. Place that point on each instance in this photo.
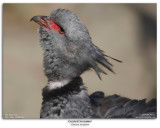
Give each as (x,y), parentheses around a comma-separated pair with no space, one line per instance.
(124,31)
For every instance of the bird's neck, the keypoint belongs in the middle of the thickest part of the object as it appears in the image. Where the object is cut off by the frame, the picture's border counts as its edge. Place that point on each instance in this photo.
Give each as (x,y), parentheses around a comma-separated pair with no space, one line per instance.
(52,65)
(56,84)
(65,87)
(69,101)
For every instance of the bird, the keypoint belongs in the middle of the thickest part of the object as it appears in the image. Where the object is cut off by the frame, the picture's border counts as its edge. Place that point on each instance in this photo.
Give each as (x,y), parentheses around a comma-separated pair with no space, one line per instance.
(68,53)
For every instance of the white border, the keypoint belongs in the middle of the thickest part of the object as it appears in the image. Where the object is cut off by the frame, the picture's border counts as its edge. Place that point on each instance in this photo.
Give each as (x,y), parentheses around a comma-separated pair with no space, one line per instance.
(79,1)
(24,123)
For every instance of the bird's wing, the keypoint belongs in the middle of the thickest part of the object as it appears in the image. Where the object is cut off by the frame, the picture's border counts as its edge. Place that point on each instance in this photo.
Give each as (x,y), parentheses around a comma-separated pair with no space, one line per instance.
(115,106)
(132,109)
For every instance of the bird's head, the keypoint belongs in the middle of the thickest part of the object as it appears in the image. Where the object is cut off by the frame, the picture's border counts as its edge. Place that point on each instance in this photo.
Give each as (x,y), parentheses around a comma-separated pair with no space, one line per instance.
(69,50)
(60,27)
(62,36)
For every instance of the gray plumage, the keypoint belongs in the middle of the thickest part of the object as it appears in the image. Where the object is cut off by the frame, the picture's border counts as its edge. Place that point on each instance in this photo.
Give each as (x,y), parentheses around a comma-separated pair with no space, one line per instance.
(68,52)
(69,55)
(115,106)
(66,57)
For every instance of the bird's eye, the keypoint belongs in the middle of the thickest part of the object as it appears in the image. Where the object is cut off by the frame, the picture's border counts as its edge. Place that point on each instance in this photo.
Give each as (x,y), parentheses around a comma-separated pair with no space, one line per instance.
(61,30)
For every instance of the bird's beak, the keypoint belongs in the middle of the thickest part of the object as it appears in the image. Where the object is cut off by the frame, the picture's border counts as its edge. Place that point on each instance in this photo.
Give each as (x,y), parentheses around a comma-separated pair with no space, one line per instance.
(41,20)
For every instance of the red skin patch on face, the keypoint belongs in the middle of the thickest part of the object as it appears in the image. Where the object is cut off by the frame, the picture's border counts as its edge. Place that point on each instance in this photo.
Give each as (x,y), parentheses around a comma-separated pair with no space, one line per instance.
(53,26)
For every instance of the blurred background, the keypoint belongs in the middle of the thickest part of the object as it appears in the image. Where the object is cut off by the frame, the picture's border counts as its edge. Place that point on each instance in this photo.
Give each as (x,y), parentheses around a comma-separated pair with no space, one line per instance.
(124,31)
